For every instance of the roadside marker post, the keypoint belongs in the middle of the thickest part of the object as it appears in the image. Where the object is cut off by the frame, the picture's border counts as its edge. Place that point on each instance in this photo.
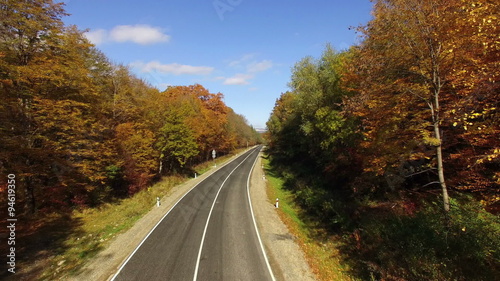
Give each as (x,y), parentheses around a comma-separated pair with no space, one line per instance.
(158,202)
(277,203)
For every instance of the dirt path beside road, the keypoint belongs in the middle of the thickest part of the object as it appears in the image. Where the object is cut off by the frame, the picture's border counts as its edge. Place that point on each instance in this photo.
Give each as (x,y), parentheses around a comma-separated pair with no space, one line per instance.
(286,258)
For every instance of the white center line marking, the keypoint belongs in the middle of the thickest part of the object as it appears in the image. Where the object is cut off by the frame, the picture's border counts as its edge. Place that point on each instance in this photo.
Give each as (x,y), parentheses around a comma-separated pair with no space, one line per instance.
(208,219)
(161,220)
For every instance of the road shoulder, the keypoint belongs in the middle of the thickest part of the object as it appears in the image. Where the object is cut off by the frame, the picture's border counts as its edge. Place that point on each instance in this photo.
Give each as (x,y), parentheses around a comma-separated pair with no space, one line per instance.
(286,258)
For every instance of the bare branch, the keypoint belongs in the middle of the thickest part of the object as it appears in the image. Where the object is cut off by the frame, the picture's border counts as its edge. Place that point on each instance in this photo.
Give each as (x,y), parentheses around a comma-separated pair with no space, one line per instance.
(420,172)
(431,183)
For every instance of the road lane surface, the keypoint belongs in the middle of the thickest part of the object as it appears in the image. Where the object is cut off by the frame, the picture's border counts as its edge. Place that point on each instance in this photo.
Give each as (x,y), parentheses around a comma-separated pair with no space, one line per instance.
(209,234)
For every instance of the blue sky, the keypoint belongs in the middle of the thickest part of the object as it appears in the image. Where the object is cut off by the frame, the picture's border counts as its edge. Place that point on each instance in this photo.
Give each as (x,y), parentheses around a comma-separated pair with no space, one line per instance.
(244,49)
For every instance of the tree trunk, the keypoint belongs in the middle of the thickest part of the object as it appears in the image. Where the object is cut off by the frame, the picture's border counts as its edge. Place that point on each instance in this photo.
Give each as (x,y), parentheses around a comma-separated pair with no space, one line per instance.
(437,84)
(114,97)
(26,109)
(30,203)
(439,154)
(160,168)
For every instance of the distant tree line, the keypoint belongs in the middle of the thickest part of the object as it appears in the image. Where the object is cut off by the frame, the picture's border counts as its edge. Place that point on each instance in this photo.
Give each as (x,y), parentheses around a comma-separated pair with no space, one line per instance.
(78,130)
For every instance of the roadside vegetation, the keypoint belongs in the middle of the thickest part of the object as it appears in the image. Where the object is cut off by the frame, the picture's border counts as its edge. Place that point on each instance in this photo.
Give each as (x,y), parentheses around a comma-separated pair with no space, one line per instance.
(390,149)
(387,240)
(320,250)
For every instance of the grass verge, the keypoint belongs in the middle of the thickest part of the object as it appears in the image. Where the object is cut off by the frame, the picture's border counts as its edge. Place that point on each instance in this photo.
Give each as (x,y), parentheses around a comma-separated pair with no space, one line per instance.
(321,252)
(98,226)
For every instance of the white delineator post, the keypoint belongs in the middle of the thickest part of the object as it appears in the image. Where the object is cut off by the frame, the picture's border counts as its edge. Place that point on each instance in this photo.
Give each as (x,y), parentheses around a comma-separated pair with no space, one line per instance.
(277,203)
(157,201)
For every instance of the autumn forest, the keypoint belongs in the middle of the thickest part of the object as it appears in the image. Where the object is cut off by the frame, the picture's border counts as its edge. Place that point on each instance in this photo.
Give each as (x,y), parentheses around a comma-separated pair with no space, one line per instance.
(391,144)
(395,143)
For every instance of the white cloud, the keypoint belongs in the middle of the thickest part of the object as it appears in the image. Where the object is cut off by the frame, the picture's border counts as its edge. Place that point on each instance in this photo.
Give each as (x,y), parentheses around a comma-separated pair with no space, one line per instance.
(260,66)
(173,68)
(140,34)
(97,36)
(238,79)
(251,66)
(243,59)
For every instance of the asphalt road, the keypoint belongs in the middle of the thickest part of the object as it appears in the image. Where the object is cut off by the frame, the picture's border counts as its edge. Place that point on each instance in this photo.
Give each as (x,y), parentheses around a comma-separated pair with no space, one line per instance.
(210,234)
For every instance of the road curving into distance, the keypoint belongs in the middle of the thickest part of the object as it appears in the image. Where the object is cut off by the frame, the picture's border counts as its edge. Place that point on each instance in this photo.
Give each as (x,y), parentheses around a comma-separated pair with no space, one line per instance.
(209,234)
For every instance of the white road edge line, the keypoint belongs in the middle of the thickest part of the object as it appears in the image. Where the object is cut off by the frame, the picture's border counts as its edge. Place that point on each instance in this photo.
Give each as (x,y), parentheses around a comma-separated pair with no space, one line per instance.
(160,221)
(208,219)
(254,222)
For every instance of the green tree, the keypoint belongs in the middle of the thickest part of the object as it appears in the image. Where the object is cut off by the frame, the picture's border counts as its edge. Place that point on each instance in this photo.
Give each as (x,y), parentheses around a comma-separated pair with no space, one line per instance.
(176,141)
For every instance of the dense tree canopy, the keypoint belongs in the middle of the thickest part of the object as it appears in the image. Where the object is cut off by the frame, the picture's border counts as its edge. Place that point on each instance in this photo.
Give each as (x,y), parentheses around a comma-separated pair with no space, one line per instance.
(370,138)
(414,105)
(426,82)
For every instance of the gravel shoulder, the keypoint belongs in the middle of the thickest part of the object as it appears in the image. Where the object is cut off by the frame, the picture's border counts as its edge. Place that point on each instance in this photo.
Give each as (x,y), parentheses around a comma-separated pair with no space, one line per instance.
(286,258)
